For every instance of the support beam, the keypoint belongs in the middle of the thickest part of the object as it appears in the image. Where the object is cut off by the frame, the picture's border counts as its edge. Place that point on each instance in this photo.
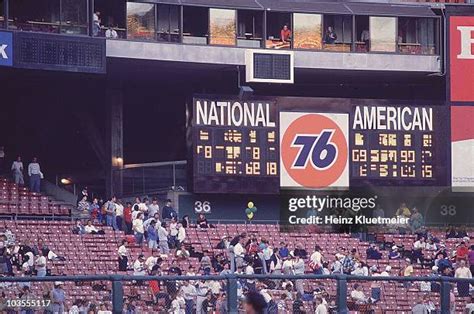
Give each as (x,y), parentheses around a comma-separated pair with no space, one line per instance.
(114,141)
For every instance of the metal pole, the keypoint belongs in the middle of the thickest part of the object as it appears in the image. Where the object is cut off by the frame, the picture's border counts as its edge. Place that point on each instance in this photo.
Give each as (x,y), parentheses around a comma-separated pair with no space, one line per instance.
(232,299)
(174,176)
(6,13)
(117,296)
(445,296)
(341,294)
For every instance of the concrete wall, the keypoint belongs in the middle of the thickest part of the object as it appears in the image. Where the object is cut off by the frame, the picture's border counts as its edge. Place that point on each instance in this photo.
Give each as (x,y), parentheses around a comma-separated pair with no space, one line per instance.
(303,59)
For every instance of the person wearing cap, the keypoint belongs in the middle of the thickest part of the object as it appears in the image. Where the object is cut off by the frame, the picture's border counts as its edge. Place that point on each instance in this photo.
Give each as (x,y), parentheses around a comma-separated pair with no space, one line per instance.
(58,297)
(168,211)
(408,271)
(394,254)
(254,303)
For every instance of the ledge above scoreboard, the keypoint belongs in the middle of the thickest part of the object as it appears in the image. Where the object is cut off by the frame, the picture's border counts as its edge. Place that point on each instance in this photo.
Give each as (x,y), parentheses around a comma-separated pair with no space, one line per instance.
(261,145)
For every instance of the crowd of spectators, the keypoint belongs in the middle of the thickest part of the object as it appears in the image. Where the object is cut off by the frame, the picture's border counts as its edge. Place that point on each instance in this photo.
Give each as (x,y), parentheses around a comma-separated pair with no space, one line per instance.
(250,254)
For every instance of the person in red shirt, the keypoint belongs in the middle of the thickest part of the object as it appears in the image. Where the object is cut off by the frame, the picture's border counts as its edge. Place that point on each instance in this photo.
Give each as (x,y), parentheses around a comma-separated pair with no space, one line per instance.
(461,252)
(127,218)
(285,34)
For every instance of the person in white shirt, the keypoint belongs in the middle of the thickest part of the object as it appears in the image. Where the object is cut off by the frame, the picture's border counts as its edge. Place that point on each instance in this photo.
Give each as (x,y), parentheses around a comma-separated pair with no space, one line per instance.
(91,229)
(17,171)
(298,269)
(123,256)
(387,271)
(151,262)
(189,294)
(138,229)
(35,175)
(40,266)
(463,272)
(139,266)
(316,260)
(173,232)
(178,304)
(96,23)
(119,214)
(287,267)
(154,208)
(320,306)
(239,253)
(111,33)
(181,235)
(358,295)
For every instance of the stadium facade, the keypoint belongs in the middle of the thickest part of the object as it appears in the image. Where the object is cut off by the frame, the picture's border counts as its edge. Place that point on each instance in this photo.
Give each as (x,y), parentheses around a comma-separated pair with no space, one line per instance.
(393,76)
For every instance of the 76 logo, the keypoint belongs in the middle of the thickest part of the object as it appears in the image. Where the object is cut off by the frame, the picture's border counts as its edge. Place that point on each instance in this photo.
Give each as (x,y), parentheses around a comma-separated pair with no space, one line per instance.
(316,148)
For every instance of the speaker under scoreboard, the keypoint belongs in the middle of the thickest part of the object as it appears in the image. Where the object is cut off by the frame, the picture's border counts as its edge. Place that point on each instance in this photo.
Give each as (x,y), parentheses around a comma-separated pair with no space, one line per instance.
(269,66)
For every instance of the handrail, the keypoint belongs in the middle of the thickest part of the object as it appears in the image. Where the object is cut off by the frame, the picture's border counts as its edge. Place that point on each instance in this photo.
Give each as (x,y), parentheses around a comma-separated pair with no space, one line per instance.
(232,299)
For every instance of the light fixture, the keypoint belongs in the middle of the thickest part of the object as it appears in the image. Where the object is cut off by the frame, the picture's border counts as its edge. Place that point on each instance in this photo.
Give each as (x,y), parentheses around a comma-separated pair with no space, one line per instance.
(65,181)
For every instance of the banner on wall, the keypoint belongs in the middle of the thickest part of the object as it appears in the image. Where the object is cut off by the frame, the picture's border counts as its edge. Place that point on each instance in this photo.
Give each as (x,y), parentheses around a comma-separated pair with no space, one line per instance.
(462,148)
(461,58)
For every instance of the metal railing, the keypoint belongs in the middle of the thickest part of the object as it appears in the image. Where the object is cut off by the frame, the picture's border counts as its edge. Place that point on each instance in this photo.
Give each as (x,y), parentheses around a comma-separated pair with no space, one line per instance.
(232,285)
(152,178)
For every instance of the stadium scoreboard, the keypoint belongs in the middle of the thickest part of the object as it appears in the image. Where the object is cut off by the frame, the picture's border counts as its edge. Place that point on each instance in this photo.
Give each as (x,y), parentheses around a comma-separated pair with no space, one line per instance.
(394,142)
(235,146)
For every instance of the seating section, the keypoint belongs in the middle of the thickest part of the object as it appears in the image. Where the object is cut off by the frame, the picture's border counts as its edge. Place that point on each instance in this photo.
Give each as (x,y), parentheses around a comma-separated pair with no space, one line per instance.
(97,254)
(16,200)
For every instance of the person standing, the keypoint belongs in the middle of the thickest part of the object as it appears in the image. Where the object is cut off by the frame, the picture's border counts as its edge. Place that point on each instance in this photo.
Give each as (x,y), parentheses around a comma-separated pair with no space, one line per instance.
(168,212)
(96,23)
(58,297)
(138,229)
(35,174)
(17,171)
(123,256)
(153,208)
(127,218)
(463,272)
(163,239)
(111,213)
(2,158)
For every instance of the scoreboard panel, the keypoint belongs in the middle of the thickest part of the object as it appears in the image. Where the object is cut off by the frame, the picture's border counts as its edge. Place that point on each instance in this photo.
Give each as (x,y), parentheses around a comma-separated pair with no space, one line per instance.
(397,145)
(235,146)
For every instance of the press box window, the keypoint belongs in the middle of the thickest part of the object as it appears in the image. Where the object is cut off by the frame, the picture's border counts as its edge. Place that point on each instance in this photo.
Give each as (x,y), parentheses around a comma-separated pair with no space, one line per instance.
(168,23)
(222,27)
(195,25)
(249,28)
(307,31)
(383,34)
(417,35)
(140,21)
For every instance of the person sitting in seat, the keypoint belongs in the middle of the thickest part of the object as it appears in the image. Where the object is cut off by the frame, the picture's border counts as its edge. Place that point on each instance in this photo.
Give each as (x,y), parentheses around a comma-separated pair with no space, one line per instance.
(91,229)
(330,36)
(202,222)
(285,34)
